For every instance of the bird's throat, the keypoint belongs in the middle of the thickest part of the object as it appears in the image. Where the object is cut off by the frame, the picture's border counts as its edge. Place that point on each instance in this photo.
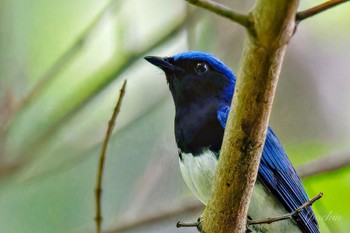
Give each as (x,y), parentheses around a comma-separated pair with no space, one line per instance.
(197,128)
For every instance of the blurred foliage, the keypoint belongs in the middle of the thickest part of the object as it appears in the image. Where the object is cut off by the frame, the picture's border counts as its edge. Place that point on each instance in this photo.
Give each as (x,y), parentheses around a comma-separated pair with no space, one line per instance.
(61,66)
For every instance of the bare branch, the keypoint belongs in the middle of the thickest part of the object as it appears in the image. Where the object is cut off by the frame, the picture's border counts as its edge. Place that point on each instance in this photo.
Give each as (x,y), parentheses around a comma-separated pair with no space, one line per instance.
(181,224)
(98,190)
(151,219)
(191,208)
(318,9)
(245,131)
(328,163)
(286,216)
(222,10)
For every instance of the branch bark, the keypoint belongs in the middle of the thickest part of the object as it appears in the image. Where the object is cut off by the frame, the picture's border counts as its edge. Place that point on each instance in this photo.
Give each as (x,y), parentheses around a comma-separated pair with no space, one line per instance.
(323,165)
(318,9)
(274,24)
(222,10)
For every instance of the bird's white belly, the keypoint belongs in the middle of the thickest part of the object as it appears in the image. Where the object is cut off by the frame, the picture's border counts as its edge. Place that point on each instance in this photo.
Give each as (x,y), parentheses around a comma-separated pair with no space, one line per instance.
(198,173)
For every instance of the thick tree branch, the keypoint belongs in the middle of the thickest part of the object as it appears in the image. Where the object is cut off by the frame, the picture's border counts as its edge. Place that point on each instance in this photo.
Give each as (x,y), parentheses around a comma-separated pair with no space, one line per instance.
(328,163)
(222,10)
(286,216)
(274,24)
(318,9)
(98,190)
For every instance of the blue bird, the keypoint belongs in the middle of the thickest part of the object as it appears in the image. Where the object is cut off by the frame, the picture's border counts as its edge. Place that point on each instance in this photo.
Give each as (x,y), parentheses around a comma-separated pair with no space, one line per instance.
(202,89)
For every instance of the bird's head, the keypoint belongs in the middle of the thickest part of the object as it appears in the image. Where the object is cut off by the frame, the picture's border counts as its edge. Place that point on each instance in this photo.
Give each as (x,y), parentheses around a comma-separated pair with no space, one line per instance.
(194,76)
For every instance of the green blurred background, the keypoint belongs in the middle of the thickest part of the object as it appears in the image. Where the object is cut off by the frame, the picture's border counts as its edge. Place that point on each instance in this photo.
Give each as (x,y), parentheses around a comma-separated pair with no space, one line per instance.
(62,64)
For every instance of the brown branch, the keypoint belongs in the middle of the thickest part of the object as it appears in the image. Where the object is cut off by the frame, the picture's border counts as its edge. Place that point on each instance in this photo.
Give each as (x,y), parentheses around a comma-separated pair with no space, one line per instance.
(325,164)
(191,208)
(318,9)
(98,190)
(151,219)
(245,132)
(285,216)
(222,10)
(196,224)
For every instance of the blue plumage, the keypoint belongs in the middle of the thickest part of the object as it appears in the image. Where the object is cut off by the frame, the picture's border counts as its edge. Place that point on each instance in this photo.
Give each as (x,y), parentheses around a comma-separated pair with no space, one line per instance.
(202,88)
(278,174)
(216,64)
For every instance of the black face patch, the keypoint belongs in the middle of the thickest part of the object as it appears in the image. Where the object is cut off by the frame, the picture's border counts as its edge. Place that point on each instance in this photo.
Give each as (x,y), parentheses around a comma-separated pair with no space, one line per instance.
(199,80)
(197,94)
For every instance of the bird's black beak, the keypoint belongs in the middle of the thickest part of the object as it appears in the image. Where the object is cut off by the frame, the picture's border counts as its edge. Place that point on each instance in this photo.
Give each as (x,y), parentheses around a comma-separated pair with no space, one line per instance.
(163,63)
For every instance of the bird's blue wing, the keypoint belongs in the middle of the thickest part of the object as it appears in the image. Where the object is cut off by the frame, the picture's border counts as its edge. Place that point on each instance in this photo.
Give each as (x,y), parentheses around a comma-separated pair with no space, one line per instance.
(278,174)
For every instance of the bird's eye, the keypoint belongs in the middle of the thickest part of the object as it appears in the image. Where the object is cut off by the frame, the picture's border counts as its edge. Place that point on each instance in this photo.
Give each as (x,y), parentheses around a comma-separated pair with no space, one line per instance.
(201,68)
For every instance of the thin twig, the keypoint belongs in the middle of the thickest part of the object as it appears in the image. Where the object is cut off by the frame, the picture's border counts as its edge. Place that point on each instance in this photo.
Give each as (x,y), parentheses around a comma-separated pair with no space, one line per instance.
(222,10)
(285,216)
(98,190)
(318,9)
(181,224)
(83,155)
(194,207)
(161,216)
(325,164)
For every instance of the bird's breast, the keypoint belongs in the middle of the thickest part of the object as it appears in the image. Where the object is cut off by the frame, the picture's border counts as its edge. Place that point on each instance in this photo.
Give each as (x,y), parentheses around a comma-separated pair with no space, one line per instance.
(199,171)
